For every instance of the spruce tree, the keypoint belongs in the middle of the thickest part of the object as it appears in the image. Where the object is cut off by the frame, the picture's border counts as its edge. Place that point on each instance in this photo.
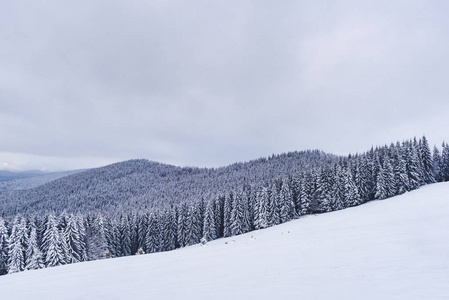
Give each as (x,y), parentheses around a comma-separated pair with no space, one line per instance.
(389,180)
(338,191)
(227,208)
(436,164)
(261,207)
(34,257)
(193,225)
(381,185)
(413,167)
(295,184)
(168,230)
(426,159)
(324,188)
(218,205)
(240,220)
(82,245)
(133,231)
(153,238)
(287,209)
(306,191)
(142,231)
(17,246)
(111,235)
(274,208)
(249,197)
(97,244)
(74,240)
(209,229)
(4,246)
(361,179)
(52,243)
(352,194)
(400,172)
(445,162)
(125,236)
(181,226)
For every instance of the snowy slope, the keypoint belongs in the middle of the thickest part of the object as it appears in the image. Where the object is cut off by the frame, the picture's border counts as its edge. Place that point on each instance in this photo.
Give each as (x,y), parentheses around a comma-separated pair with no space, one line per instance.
(392,249)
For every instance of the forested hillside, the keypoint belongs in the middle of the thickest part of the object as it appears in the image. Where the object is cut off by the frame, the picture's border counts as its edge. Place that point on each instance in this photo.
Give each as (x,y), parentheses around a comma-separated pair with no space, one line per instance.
(141,184)
(151,207)
(389,250)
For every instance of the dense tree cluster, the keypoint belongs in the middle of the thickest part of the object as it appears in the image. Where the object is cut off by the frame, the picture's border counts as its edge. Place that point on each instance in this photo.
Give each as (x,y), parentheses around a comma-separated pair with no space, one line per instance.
(43,240)
(141,184)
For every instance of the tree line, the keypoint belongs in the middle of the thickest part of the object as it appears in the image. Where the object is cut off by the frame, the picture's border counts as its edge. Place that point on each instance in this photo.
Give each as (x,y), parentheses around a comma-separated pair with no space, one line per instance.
(37,241)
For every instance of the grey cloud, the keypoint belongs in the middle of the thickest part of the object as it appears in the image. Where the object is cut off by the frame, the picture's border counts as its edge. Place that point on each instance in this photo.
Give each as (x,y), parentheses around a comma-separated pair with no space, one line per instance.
(210,83)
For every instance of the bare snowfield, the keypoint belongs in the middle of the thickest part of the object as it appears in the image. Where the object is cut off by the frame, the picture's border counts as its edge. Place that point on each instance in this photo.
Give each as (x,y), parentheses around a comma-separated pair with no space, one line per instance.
(396,248)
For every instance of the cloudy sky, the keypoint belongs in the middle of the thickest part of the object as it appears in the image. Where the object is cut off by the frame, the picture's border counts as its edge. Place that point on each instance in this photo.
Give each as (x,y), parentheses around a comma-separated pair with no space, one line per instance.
(209,83)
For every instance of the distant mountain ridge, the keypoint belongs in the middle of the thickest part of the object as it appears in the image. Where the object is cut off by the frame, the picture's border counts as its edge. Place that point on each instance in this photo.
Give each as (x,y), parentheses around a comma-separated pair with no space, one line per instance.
(34,181)
(6,175)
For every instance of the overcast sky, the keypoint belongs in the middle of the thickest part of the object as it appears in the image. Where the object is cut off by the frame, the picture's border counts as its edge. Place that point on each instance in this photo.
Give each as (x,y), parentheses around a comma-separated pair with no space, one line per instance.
(209,83)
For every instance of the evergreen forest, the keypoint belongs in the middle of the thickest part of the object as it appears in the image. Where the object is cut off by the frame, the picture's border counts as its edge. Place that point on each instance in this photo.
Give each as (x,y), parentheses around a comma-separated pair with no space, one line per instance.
(138,206)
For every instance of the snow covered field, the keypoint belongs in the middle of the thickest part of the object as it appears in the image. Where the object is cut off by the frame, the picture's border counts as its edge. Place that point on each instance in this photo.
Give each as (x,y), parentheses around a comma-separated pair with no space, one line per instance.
(397,248)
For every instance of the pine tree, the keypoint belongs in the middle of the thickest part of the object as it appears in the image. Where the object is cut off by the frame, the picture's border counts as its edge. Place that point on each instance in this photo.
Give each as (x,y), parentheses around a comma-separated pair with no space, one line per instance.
(111,237)
(4,246)
(306,192)
(324,187)
(133,232)
(261,208)
(338,195)
(400,172)
(82,250)
(227,208)
(74,240)
(142,231)
(168,230)
(181,226)
(153,238)
(426,159)
(219,204)
(389,180)
(249,203)
(361,179)
(413,167)
(352,195)
(125,236)
(52,243)
(445,162)
(273,210)
(239,215)
(381,188)
(193,225)
(287,207)
(96,242)
(296,189)
(436,164)
(17,246)
(209,229)
(34,257)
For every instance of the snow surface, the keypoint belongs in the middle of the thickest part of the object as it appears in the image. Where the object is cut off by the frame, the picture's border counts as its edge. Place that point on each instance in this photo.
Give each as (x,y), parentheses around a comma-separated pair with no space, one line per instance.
(397,248)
